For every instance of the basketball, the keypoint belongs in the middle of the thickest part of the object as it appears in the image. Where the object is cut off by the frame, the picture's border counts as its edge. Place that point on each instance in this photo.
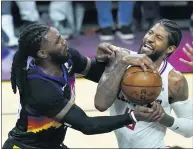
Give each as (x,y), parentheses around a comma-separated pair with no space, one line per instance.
(141,87)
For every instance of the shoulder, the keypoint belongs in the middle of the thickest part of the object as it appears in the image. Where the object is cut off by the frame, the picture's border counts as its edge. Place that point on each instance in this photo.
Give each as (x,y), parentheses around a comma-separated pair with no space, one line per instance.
(45,98)
(43,90)
(73,52)
(79,61)
(178,86)
(176,77)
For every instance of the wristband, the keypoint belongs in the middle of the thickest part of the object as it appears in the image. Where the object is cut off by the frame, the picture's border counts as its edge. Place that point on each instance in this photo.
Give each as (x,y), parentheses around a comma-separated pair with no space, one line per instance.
(133,117)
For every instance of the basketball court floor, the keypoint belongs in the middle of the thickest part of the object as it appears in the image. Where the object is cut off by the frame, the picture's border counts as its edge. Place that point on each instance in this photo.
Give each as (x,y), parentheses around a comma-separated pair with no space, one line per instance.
(85,91)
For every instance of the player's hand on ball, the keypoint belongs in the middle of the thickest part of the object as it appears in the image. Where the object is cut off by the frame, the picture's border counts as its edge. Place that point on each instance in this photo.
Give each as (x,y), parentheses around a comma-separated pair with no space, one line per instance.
(140,60)
(142,113)
(189,52)
(157,114)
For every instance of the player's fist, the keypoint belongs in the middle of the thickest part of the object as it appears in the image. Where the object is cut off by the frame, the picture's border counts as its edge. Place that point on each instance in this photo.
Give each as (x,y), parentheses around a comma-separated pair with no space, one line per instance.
(104,51)
(107,50)
(157,114)
(188,50)
(142,113)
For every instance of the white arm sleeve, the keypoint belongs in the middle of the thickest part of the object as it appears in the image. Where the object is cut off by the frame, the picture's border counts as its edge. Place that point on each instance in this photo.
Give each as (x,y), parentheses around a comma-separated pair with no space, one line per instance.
(183,124)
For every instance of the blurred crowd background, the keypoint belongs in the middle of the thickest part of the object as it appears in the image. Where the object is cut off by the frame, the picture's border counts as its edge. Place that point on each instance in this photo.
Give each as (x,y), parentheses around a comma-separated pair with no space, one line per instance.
(104,18)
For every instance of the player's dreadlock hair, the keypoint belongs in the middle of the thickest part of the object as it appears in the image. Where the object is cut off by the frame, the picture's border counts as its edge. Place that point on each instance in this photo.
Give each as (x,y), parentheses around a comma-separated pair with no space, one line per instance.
(29,43)
(174,31)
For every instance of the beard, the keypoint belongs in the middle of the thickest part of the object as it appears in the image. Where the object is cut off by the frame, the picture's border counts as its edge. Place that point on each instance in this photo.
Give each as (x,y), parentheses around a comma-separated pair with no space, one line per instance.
(59,58)
(154,55)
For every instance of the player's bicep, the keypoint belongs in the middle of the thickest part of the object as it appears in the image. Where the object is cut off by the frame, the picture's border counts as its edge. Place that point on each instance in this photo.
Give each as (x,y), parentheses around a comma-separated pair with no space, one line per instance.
(178,87)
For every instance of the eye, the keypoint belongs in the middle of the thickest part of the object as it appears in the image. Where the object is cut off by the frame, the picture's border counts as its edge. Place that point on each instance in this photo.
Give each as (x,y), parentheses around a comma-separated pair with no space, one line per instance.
(58,39)
(159,38)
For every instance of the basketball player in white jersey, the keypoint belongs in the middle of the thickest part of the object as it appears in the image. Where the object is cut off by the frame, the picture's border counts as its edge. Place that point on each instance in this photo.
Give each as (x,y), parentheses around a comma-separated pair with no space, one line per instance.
(158,44)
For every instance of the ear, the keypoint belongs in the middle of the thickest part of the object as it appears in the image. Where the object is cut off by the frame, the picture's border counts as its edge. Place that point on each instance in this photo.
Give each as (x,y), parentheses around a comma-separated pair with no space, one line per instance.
(170,49)
(42,54)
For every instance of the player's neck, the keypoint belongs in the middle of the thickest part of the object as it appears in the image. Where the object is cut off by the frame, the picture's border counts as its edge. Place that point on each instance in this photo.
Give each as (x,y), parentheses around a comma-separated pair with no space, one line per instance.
(158,62)
(50,68)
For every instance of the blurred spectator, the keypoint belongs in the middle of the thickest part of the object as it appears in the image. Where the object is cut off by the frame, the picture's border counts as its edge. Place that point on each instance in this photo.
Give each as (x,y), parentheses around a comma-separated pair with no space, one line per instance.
(28,11)
(7,25)
(191,23)
(60,13)
(145,14)
(67,17)
(106,22)
(150,13)
(79,10)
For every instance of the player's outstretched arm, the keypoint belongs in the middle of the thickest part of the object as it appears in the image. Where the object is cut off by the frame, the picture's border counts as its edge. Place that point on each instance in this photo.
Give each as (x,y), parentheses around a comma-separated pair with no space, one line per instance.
(77,119)
(54,104)
(188,50)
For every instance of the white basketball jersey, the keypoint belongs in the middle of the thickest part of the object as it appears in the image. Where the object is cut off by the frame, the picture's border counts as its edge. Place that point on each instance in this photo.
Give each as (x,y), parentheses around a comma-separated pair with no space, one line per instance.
(143,134)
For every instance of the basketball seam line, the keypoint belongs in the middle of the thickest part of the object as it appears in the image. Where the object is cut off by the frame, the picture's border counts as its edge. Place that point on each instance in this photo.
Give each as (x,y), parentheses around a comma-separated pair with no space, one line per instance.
(139,86)
(142,71)
(138,100)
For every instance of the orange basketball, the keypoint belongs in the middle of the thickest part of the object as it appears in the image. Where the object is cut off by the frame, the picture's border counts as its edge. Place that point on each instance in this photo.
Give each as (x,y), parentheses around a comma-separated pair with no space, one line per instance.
(141,87)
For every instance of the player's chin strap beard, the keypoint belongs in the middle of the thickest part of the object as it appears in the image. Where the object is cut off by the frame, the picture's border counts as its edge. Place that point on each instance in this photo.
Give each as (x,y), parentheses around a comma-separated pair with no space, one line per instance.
(58,58)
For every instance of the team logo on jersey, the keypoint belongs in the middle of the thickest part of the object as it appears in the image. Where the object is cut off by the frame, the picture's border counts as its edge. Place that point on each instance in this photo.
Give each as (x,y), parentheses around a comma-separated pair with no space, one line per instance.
(37,124)
(68,66)
(64,87)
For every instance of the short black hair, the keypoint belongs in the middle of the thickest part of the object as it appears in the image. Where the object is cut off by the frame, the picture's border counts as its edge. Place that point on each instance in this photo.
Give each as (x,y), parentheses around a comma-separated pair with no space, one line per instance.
(175,34)
(29,44)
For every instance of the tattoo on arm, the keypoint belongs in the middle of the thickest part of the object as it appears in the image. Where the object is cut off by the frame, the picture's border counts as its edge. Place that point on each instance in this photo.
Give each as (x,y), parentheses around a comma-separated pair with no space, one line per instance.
(178,89)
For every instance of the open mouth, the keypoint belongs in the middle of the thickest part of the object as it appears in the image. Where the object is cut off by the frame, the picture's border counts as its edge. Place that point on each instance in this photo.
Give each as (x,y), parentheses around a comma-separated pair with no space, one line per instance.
(148,46)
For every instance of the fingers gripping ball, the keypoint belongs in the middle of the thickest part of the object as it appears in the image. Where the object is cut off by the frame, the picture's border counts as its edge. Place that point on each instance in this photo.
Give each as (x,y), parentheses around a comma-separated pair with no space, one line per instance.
(141,87)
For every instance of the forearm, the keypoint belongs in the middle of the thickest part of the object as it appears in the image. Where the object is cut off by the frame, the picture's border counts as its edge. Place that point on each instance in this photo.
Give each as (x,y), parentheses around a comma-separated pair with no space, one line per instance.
(109,85)
(167,120)
(78,120)
(105,124)
(183,124)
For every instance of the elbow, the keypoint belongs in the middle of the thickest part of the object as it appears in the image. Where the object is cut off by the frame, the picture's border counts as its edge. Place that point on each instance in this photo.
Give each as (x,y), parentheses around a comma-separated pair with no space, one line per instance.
(87,132)
(87,127)
(94,129)
(100,107)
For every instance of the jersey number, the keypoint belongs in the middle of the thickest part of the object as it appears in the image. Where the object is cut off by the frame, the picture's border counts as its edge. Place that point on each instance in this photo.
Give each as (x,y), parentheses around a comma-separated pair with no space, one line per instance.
(130,126)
